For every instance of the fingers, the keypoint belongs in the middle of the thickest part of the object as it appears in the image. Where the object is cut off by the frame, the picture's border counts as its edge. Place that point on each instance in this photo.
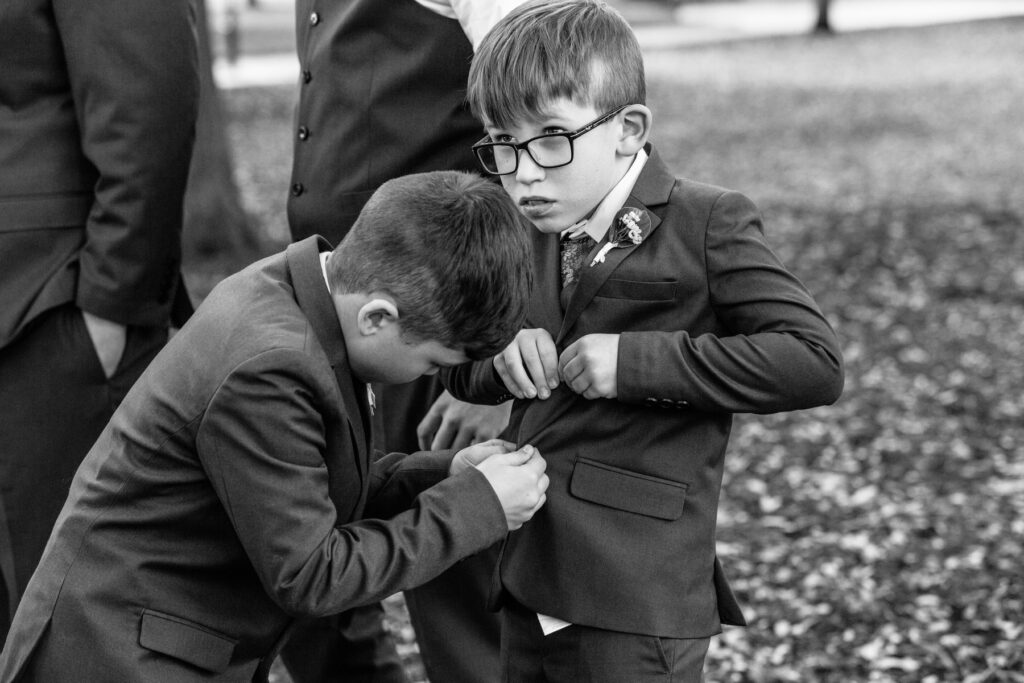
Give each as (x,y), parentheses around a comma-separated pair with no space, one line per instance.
(571,368)
(517,520)
(514,374)
(432,421)
(519,481)
(427,429)
(473,424)
(463,439)
(529,365)
(520,457)
(526,515)
(541,360)
(589,366)
(494,447)
(567,368)
(444,437)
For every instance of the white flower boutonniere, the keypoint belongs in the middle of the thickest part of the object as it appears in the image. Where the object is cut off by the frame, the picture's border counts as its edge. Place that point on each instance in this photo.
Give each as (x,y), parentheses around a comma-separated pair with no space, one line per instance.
(627,229)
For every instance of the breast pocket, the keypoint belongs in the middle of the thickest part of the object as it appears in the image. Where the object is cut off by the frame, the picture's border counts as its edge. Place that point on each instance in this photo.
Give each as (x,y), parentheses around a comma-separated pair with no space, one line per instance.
(623,489)
(186,640)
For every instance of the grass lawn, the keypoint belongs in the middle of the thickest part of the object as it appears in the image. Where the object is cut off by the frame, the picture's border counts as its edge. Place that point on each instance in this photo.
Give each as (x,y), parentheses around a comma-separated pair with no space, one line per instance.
(879,539)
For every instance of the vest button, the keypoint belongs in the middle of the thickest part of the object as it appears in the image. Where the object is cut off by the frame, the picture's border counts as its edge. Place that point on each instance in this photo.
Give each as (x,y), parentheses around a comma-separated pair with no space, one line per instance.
(303,132)
(306,76)
(297,189)
(314,19)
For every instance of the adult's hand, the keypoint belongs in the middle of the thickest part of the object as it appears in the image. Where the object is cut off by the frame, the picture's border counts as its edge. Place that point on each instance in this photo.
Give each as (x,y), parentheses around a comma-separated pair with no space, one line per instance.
(108,338)
(451,423)
(519,481)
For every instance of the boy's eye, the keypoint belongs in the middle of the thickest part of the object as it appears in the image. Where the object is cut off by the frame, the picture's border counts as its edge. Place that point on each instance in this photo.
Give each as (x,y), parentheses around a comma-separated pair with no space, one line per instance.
(501,137)
(554,129)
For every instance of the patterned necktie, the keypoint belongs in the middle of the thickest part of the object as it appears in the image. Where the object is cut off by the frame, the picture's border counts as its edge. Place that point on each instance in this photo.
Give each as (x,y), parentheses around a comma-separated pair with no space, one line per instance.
(573,251)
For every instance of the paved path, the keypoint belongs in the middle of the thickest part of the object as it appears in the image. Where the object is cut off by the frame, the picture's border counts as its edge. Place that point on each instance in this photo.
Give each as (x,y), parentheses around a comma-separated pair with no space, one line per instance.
(659,28)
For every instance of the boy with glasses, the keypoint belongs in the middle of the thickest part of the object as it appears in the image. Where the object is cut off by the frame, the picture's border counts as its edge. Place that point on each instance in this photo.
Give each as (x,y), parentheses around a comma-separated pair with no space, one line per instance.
(657,312)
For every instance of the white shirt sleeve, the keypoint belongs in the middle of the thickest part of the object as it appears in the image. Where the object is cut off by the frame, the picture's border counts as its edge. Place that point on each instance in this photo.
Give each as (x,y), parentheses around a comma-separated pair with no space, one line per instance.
(475,16)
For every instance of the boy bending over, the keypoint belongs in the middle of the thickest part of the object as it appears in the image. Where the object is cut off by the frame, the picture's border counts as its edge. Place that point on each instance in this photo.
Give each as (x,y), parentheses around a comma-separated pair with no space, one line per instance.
(234,488)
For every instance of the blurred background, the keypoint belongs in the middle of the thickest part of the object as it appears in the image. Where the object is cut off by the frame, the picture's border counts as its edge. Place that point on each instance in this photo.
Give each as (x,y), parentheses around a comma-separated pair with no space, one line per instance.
(879,539)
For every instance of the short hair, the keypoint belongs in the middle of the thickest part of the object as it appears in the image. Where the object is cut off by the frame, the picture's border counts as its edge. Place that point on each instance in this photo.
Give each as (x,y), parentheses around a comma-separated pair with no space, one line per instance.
(582,50)
(453,252)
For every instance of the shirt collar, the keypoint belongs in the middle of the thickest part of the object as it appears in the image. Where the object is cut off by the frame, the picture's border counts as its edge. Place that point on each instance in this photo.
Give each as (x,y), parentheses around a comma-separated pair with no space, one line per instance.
(596,225)
(324,255)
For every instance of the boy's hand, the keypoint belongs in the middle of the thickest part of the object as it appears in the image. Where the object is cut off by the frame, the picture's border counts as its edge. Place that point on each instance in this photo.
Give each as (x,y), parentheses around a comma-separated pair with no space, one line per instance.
(588,366)
(476,454)
(529,365)
(519,481)
(451,423)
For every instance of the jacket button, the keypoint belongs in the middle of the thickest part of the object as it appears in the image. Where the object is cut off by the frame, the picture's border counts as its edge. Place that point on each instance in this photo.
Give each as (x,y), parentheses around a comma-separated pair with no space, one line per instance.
(314,19)
(297,189)
(303,132)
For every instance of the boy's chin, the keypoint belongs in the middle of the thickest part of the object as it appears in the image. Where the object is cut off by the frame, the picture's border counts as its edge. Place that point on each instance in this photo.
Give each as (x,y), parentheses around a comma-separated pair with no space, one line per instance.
(548,225)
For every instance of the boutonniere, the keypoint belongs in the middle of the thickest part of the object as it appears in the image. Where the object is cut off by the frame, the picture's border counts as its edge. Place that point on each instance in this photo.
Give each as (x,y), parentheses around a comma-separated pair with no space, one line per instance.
(627,229)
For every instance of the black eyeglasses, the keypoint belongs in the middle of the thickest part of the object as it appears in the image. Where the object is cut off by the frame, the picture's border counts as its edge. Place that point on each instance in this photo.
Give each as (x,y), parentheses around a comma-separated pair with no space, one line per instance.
(549,150)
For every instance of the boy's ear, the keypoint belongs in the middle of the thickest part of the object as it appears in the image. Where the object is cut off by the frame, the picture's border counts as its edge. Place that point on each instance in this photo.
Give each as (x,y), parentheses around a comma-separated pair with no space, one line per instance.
(636,128)
(376,315)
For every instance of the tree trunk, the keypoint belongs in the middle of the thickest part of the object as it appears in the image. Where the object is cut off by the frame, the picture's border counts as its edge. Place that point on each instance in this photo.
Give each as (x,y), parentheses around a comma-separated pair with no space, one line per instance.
(823,24)
(217,233)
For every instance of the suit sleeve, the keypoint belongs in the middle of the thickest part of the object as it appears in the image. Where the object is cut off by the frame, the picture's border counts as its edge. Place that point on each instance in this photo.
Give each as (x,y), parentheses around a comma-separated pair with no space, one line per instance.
(777,351)
(133,74)
(476,382)
(396,479)
(261,444)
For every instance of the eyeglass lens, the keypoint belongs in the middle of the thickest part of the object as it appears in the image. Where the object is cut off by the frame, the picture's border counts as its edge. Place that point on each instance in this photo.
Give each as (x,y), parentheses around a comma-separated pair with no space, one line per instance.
(548,151)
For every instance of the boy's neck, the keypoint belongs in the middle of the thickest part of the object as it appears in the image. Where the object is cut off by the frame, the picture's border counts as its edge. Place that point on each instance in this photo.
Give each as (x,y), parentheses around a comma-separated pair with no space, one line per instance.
(596,223)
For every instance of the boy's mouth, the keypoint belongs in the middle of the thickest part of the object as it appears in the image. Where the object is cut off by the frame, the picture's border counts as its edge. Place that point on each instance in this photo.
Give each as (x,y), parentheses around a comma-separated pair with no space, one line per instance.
(534,206)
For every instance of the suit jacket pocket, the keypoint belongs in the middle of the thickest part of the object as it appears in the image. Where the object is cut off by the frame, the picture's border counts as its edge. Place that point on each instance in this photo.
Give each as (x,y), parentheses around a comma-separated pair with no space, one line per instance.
(186,640)
(624,489)
(638,290)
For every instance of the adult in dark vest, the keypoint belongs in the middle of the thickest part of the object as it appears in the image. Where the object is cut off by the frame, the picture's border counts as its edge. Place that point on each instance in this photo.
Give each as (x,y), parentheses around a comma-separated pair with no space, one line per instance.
(98,104)
(383,94)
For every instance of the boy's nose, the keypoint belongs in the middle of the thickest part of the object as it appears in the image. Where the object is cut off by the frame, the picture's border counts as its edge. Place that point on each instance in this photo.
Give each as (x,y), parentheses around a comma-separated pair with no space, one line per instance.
(528,170)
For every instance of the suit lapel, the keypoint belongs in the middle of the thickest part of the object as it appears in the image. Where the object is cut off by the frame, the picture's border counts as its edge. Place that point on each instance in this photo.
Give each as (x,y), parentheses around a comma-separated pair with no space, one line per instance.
(315,301)
(652,188)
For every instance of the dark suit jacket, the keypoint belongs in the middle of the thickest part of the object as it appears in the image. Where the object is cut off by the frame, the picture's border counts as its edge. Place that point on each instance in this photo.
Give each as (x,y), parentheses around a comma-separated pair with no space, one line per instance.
(711,324)
(226,494)
(98,103)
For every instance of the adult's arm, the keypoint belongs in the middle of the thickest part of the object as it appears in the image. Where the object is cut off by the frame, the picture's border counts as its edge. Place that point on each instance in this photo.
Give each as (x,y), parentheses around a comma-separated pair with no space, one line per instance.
(133,74)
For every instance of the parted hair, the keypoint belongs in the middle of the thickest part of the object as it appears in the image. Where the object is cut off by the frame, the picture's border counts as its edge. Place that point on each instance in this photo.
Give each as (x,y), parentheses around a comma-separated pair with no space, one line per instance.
(453,252)
(582,50)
